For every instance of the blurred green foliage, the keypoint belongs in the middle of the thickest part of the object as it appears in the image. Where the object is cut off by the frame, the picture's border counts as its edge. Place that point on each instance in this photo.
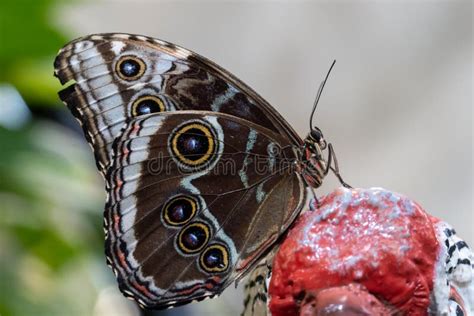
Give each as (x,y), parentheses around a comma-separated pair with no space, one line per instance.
(28,41)
(50,223)
(51,198)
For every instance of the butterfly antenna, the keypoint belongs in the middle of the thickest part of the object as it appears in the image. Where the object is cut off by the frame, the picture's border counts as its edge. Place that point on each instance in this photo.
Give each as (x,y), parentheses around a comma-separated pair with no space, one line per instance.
(318,95)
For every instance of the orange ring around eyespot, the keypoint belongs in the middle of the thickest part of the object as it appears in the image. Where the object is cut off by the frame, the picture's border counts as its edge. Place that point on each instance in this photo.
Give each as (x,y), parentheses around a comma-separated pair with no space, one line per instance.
(134,58)
(225,259)
(135,103)
(201,225)
(165,214)
(209,151)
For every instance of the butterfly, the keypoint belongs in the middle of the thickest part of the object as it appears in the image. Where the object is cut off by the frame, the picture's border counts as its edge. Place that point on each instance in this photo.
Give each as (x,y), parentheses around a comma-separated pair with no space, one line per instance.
(202,175)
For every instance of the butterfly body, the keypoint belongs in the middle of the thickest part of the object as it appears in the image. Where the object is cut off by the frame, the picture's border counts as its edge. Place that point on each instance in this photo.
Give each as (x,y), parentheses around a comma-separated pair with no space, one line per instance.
(202,174)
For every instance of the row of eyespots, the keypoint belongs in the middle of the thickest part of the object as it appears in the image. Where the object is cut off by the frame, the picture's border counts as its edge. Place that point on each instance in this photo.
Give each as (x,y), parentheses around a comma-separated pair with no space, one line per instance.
(193,144)
(132,68)
(194,237)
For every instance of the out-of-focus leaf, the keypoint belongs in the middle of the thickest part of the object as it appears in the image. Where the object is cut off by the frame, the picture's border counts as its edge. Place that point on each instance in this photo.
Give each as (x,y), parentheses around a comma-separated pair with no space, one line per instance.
(35,81)
(51,202)
(46,245)
(28,44)
(26,31)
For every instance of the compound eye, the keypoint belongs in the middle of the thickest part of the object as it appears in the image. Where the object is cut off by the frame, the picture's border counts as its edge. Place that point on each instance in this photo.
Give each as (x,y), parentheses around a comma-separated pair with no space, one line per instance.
(316,135)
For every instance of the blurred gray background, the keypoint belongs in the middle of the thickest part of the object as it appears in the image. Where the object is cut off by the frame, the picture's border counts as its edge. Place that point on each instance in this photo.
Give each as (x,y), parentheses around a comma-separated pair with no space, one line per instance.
(397,107)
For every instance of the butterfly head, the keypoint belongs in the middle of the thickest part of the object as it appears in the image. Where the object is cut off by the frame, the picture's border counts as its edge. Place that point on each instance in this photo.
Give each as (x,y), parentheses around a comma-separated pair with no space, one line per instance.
(316,138)
(314,165)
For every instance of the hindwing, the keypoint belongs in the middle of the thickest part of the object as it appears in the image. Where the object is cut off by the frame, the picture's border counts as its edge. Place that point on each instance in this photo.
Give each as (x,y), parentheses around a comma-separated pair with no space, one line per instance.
(256,288)
(195,198)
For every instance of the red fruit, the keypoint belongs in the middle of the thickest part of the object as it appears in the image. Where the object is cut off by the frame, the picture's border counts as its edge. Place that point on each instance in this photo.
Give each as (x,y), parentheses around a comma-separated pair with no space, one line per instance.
(368,250)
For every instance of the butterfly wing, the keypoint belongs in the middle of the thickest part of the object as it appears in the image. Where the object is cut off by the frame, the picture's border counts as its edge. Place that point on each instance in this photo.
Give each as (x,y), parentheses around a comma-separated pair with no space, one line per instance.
(256,288)
(192,205)
(116,77)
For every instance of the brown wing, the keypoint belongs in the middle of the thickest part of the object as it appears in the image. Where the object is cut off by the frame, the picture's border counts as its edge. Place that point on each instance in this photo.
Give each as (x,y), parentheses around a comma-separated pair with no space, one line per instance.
(112,73)
(195,199)
(256,288)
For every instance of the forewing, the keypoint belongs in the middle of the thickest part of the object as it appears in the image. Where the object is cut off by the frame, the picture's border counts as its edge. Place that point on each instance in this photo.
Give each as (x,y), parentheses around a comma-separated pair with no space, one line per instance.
(103,99)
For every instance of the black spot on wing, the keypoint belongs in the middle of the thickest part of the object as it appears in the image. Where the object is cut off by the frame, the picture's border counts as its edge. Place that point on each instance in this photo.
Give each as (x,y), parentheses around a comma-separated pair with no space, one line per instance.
(464,261)
(462,244)
(449,232)
(451,250)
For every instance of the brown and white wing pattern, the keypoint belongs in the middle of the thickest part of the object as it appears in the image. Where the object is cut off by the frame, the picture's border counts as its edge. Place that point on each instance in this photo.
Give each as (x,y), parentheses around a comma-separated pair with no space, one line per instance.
(256,288)
(113,78)
(195,199)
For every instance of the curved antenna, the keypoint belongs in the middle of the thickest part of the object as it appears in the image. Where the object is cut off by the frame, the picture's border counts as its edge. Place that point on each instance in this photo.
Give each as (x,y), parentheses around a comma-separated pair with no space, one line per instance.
(318,96)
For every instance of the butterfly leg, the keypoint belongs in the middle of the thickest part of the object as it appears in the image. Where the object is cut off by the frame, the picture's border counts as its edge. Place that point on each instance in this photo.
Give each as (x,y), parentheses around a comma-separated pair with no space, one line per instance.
(316,203)
(335,169)
(329,160)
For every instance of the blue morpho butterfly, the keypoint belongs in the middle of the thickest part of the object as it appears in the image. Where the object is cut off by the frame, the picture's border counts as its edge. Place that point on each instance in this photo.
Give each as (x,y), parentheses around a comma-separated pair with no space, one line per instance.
(202,174)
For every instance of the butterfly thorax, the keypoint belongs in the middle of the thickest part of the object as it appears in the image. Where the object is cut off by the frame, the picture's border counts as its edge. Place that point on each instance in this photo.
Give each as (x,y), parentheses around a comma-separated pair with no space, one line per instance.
(313,167)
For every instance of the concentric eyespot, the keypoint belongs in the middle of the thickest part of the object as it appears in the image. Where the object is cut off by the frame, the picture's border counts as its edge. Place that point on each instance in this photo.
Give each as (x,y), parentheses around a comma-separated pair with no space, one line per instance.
(130,68)
(179,210)
(214,259)
(193,144)
(147,104)
(192,238)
